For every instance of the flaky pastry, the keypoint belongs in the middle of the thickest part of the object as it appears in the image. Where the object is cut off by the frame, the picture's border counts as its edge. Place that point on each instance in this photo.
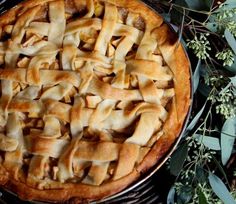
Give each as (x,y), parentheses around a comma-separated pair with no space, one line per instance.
(93,94)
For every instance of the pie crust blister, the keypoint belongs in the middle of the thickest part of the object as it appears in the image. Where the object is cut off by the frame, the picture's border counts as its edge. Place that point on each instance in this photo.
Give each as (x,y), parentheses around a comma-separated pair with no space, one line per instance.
(85,92)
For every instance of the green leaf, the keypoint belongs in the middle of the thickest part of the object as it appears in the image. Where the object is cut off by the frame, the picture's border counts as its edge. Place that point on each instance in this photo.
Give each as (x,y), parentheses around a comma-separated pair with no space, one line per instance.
(208,3)
(177,12)
(196,76)
(176,15)
(212,27)
(220,189)
(204,89)
(195,119)
(199,4)
(201,175)
(181,3)
(194,4)
(225,88)
(201,197)
(210,142)
(178,158)
(232,68)
(233,80)
(227,141)
(2,2)
(171,196)
(221,169)
(175,27)
(228,4)
(186,194)
(230,39)
(166,16)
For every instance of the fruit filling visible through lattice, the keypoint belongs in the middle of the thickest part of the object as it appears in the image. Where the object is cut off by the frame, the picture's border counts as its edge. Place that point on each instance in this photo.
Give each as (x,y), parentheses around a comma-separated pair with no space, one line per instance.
(84,93)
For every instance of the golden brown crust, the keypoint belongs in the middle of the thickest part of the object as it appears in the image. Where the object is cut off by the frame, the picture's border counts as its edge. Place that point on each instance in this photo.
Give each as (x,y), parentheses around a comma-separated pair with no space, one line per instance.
(139,7)
(176,59)
(11,15)
(63,192)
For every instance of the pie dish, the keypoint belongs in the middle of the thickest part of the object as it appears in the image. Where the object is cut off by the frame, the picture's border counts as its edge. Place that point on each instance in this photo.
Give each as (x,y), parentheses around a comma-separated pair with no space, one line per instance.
(93,94)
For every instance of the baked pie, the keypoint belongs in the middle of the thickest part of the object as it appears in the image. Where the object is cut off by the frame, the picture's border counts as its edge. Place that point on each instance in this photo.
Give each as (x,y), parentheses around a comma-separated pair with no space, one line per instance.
(93,94)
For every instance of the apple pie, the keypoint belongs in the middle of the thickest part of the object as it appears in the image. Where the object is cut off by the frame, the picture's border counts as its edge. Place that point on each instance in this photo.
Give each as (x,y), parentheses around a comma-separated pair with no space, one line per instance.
(93,94)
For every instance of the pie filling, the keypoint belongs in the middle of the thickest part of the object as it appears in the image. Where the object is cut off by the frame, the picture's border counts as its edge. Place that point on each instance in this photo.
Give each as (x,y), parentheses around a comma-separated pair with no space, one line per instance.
(84,93)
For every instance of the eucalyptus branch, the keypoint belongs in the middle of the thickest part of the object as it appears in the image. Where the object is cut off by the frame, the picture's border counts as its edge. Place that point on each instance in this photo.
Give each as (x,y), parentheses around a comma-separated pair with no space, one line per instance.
(207,40)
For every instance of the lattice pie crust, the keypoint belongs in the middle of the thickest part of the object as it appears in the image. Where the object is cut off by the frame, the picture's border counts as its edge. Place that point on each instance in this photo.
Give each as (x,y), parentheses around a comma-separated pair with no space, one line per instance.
(93,94)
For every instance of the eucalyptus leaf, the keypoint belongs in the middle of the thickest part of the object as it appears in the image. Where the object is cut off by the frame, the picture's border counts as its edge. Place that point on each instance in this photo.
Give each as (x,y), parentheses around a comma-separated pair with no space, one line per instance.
(230,39)
(227,141)
(204,89)
(228,4)
(171,196)
(233,80)
(210,142)
(166,16)
(220,189)
(177,13)
(195,119)
(201,175)
(176,28)
(203,71)
(221,169)
(212,26)
(177,159)
(2,2)
(196,76)
(201,197)
(186,194)
(212,19)
(225,7)
(194,4)
(209,3)
(232,68)
(181,3)
(199,4)
(225,88)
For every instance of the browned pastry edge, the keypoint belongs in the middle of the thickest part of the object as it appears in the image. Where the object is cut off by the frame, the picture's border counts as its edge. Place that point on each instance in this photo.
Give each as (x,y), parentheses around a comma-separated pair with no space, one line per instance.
(75,192)
(177,60)
(175,56)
